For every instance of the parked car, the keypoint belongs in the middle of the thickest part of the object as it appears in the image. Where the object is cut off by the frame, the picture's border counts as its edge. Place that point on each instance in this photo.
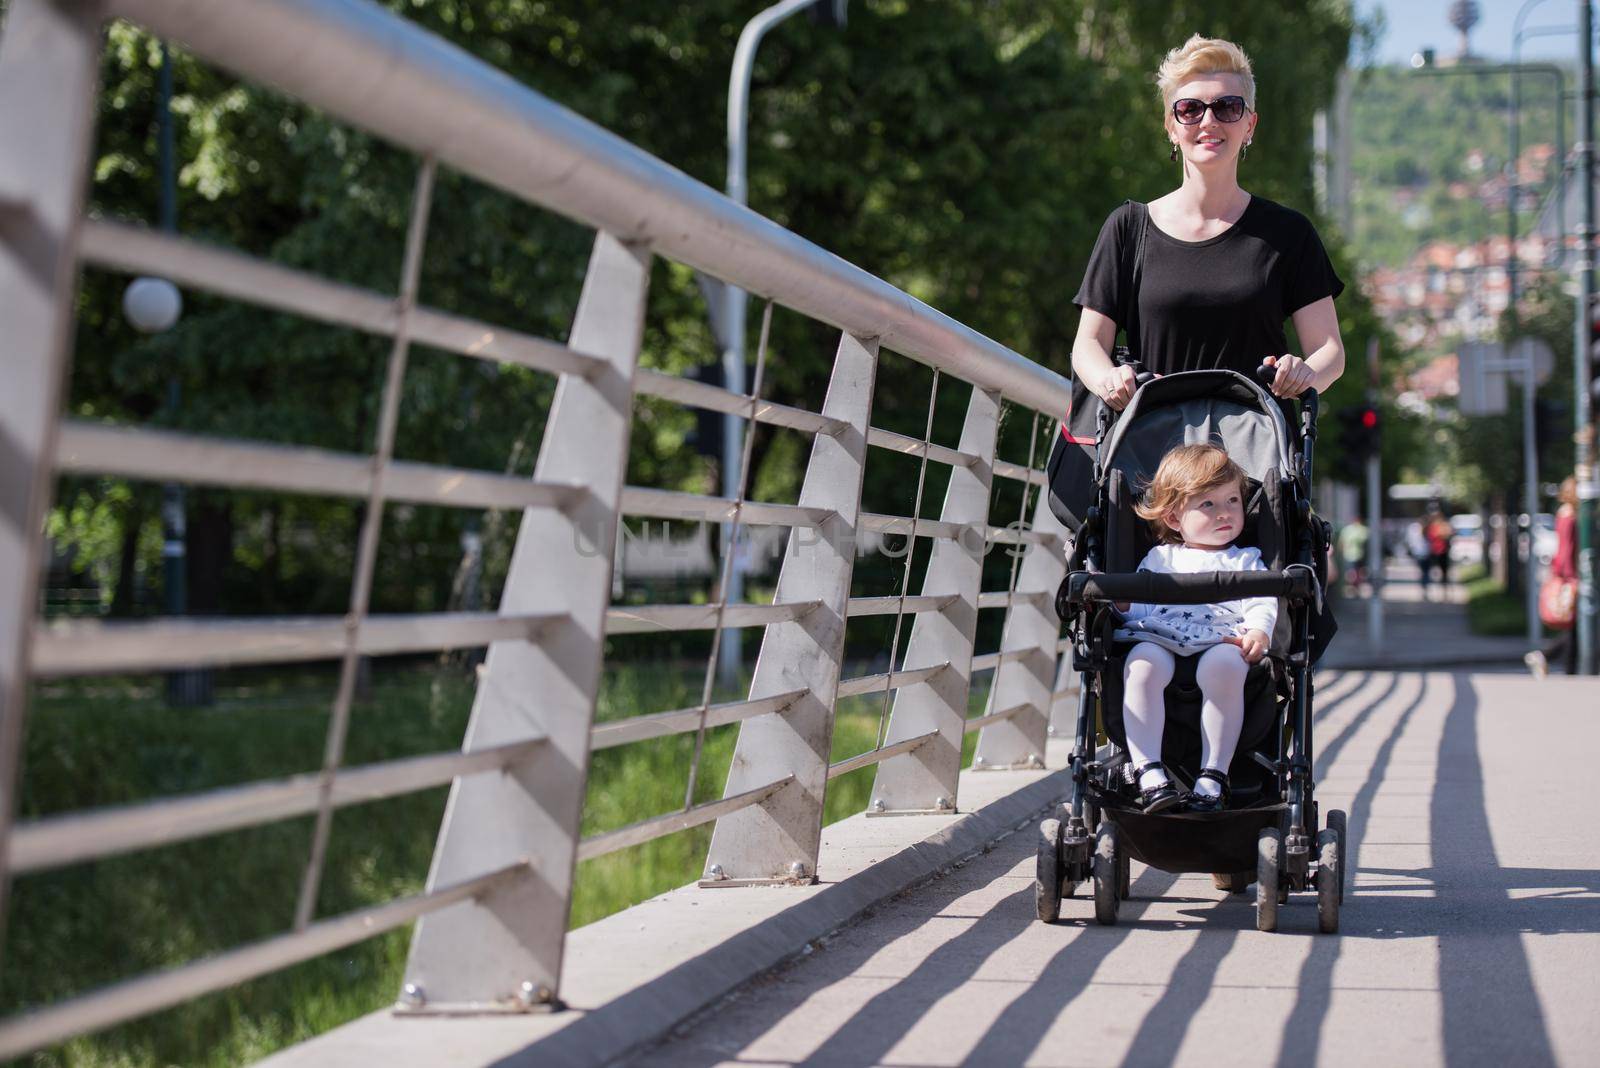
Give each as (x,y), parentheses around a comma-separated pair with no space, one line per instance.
(1544,538)
(1466,547)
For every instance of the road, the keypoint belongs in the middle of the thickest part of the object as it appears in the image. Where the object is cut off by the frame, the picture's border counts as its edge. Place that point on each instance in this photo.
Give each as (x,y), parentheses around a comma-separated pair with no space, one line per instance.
(1471,935)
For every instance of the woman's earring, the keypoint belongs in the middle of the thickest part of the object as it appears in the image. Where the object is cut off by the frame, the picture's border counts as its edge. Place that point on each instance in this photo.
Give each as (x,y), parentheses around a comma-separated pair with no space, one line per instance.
(1245,151)
(1174,156)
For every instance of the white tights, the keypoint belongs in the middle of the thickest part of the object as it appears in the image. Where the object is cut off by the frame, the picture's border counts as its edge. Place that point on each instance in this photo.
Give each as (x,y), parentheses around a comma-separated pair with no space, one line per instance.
(1220,674)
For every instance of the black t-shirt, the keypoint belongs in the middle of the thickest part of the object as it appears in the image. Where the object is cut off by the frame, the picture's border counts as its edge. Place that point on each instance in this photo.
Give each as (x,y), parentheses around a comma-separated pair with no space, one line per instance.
(1220,302)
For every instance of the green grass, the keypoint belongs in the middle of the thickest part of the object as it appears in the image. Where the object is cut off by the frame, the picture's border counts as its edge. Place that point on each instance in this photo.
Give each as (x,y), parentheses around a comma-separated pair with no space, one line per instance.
(103,742)
(1490,609)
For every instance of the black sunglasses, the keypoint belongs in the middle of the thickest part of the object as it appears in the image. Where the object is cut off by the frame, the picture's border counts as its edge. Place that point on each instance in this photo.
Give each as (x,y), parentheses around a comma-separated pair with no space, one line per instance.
(1226,108)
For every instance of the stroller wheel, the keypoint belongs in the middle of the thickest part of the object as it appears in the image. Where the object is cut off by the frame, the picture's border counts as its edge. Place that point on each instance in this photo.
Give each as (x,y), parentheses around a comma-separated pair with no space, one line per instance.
(1105,869)
(1269,846)
(1047,877)
(1330,869)
(1336,821)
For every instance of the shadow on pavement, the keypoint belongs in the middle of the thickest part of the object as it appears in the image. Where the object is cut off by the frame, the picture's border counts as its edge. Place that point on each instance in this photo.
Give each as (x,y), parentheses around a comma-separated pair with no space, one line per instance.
(1498,1022)
(1022,1026)
(1302,1031)
(1162,1030)
(879,1023)
(1472,914)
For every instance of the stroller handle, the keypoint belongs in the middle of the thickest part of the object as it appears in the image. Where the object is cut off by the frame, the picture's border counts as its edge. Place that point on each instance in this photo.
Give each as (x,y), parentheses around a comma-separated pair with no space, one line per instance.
(1267,373)
(1204,587)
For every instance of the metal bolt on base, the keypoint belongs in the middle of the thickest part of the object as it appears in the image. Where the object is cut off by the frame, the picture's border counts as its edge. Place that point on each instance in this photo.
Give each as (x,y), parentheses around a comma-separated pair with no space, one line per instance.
(412,996)
(797,870)
(942,804)
(880,805)
(978,762)
(531,993)
(716,872)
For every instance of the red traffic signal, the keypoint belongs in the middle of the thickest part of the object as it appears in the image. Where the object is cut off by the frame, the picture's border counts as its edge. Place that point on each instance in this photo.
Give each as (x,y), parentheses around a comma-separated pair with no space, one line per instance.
(1359,437)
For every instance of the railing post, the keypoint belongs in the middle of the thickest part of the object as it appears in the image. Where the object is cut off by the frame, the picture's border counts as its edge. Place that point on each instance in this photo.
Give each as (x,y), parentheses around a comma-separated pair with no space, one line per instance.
(503,951)
(778,840)
(924,780)
(49,60)
(1064,697)
(1032,632)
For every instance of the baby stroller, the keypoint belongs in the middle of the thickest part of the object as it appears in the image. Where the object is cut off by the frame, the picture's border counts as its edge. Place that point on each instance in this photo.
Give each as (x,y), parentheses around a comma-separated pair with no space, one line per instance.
(1268,834)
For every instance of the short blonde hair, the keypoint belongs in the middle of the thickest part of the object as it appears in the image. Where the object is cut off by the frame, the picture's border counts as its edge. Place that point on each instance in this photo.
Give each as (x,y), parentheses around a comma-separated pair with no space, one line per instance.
(1184,472)
(1204,55)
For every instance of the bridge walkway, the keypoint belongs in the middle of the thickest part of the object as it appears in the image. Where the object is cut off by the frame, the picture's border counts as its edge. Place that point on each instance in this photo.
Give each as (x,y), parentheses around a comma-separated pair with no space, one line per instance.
(1471,936)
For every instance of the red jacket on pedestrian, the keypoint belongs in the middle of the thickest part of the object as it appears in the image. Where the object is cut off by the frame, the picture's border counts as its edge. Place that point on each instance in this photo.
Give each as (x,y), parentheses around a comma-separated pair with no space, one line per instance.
(1564,564)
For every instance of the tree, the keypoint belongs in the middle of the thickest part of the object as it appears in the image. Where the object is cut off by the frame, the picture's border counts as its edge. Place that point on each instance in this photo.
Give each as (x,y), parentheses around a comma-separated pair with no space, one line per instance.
(967,151)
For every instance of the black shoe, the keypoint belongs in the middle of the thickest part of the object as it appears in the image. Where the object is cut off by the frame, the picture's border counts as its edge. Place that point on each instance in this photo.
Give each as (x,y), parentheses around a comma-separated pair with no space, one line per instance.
(1199,802)
(1157,798)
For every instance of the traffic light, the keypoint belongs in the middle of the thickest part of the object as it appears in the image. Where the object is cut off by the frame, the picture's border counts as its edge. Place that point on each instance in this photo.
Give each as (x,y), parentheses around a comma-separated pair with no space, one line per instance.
(1371,435)
(1360,431)
(1551,427)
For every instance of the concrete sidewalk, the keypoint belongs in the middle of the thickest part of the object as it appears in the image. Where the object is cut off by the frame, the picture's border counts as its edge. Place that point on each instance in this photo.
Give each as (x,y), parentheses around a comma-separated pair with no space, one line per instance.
(1417,633)
(1469,936)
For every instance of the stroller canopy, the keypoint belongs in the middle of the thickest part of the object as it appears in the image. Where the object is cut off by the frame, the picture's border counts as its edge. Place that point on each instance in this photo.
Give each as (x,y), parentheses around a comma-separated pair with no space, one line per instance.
(1196,408)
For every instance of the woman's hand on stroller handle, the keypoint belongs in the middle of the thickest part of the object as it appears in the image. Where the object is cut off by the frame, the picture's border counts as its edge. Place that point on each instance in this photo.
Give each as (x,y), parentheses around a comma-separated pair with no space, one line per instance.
(1116,386)
(1252,643)
(1286,376)
(1119,384)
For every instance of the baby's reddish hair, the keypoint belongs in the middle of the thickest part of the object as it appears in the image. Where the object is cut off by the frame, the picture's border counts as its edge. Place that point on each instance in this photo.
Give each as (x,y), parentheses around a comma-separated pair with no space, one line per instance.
(1184,472)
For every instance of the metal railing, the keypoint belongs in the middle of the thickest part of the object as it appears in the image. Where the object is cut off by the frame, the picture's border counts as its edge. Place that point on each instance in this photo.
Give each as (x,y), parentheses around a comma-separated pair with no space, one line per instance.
(494,912)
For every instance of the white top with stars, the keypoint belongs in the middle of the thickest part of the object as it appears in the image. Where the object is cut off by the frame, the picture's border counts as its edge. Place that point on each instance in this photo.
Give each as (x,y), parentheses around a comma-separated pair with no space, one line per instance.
(1192,628)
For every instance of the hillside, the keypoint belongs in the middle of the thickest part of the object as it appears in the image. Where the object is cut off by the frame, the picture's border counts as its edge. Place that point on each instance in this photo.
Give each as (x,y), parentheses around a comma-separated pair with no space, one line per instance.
(1429,153)
(1429,186)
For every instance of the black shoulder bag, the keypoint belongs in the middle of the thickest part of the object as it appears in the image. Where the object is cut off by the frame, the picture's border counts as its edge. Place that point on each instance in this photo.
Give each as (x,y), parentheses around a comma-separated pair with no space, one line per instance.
(1070,470)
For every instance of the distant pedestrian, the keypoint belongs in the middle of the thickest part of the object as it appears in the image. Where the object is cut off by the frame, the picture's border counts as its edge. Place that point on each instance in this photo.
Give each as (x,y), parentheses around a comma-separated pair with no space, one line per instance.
(1353,540)
(1563,568)
(1439,533)
(1417,549)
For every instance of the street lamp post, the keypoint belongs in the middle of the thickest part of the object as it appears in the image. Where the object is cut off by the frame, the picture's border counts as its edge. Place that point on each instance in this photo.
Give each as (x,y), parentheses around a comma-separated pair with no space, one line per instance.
(1514,169)
(731,321)
(153,306)
(1514,188)
(1583,435)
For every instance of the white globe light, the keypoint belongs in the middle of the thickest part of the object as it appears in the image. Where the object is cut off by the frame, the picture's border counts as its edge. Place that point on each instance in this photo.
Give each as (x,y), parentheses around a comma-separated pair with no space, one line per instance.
(152,304)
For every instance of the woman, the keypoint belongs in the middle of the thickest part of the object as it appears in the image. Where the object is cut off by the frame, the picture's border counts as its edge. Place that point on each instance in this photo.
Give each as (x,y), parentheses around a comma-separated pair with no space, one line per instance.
(1205,276)
(1563,648)
(1220,269)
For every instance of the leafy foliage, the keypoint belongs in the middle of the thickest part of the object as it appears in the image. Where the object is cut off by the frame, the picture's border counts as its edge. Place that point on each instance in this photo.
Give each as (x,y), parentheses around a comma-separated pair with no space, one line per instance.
(1424,140)
(966,151)
(1426,147)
